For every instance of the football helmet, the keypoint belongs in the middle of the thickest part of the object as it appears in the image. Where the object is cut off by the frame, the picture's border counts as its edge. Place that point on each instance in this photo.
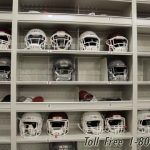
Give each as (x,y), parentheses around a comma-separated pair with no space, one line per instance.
(6,98)
(117,43)
(24,99)
(63,70)
(5,40)
(144,122)
(89,41)
(5,68)
(30,124)
(57,123)
(63,146)
(61,40)
(115,123)
(92,123)
(117,71)
(86,96)
(35,39)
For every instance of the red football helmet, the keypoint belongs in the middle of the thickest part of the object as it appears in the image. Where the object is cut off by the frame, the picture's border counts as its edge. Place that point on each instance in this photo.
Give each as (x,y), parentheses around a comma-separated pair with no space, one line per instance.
(57,123)
(86,96)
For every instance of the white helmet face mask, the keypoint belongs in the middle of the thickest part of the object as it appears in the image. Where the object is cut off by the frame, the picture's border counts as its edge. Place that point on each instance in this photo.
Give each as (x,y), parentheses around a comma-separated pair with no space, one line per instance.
(144,122)
(61,40)
(117,44)
(30,125)
(89,41)
(63,69)
(117,71)
(36,39)
(92,123)
(5,41)
(57,126)
(115,124)
(5,69)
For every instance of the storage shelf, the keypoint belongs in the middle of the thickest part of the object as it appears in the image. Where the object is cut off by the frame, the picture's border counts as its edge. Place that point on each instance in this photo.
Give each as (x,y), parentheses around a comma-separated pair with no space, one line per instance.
(143,104)
(72,52)
(32,83)
(143,1)
(143,54)
(5,140)
(5,106)
(74,82)
(5,16)
(75,135)
(74,106)
(5,82)
(143,82)
(76,19)
(143,22)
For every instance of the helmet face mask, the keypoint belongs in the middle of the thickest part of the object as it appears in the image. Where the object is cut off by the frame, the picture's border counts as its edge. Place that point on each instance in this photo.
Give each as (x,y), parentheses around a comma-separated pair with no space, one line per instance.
(30,124)
(63,69)
(5,41)
(117,43)
(61,40)
(5,69)
(117,71)
(92,123)
(144,122)
(58,124)
(36,39)
(115,124)
(89,41)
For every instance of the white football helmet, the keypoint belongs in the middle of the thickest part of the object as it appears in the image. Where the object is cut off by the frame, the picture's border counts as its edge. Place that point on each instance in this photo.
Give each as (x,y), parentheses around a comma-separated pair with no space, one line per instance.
(115,124)
(61,40)
(117,43)
(57,124)
(5,40)
(30,124)
(63,70)
(92,123)
(117,71)
(89,41)
(144,122)
(35,39)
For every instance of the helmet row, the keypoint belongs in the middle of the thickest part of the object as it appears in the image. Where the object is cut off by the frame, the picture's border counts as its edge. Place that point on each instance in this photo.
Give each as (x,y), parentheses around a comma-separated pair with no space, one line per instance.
(61,40)
(57,124)
(64,68)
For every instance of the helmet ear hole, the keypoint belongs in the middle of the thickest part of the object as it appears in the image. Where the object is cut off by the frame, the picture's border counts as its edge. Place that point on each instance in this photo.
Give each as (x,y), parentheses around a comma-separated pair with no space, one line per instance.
(35,39)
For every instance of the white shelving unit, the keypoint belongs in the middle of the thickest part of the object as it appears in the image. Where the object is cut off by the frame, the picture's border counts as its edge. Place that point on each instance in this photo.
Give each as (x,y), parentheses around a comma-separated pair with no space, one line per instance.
(31,70)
